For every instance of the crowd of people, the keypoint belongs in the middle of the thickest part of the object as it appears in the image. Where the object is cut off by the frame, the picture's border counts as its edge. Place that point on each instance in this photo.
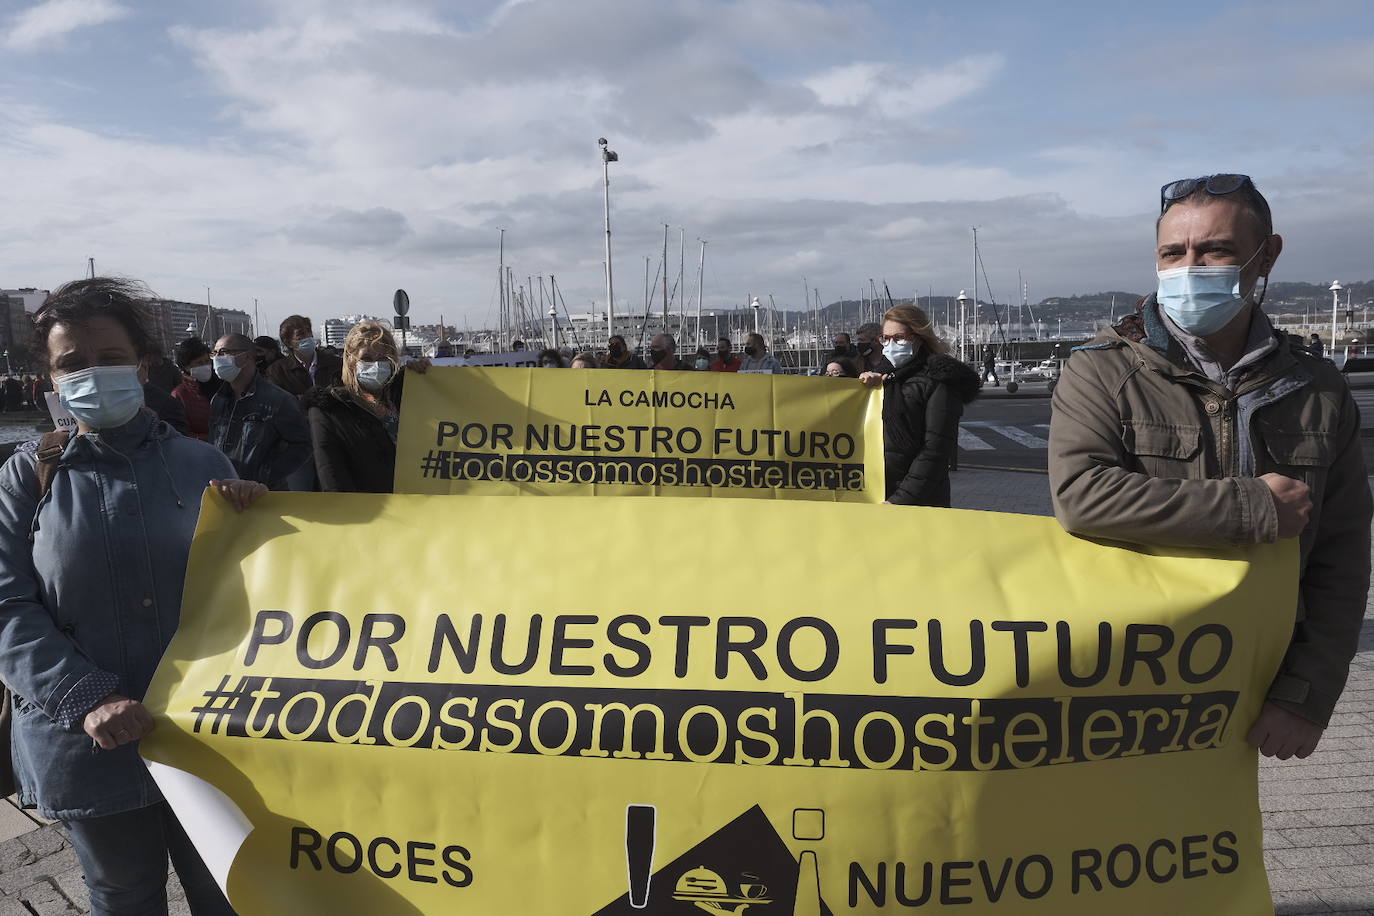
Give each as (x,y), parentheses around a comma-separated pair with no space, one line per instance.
(1193,424)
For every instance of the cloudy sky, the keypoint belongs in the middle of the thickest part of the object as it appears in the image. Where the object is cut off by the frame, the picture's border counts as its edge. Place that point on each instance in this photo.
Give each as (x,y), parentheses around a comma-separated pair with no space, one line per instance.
(318,154)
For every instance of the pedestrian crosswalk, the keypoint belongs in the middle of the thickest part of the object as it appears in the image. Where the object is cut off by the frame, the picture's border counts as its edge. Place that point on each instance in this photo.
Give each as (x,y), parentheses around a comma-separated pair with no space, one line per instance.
(1364,399)
(984,436)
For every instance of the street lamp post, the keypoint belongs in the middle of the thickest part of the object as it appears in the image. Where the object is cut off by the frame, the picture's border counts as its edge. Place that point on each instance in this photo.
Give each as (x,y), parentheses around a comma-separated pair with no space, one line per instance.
(553,326)
(755,306)
(1335,305)
(963,316)
(607,157)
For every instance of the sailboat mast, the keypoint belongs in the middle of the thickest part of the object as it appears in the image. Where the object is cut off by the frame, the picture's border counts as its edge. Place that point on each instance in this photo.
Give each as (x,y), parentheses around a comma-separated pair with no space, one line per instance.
(975,290)
(501,291)
(665,278)
(818,325)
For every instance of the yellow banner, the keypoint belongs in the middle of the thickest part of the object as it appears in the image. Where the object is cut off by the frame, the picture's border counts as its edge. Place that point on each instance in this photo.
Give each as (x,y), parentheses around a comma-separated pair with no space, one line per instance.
(499,431)
(401,704)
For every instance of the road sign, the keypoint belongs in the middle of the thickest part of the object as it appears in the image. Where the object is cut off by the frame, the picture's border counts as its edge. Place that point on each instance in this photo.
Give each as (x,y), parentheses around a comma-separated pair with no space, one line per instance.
(401,302)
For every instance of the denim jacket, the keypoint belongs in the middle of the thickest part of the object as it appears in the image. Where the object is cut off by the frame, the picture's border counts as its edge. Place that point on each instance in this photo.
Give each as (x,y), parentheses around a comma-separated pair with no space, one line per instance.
(263,431)
(90,595)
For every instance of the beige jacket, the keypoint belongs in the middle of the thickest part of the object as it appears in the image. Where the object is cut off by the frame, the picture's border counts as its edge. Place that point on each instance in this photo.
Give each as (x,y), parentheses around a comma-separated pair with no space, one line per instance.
(1145,449)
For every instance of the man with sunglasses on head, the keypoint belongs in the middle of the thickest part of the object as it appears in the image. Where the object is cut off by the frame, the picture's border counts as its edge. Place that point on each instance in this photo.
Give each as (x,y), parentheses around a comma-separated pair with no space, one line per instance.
(260,427)
(1196,424)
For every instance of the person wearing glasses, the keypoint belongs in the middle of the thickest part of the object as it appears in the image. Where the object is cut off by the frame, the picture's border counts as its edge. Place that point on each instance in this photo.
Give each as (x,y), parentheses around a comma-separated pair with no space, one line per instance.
(260,427)
(95,533)
(923,398)
(1202,426)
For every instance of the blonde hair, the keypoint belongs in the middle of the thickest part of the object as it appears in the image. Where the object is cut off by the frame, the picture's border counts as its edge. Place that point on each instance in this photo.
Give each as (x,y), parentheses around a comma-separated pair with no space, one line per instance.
(362,337)
(916,321)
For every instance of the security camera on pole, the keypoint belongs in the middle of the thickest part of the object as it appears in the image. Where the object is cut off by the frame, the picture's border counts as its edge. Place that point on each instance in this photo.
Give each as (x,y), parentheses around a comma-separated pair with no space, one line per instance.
(400,303)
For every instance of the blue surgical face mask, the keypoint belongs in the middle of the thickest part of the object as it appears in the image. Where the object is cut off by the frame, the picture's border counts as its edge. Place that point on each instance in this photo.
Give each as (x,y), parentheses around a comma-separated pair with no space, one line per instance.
(898,352)
(226,367)
(102,397)
(306,345)
(1202,300)
(374,376)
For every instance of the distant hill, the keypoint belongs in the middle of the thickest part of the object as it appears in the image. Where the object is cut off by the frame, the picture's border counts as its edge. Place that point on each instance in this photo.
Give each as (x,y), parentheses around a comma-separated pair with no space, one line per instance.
(1086,308)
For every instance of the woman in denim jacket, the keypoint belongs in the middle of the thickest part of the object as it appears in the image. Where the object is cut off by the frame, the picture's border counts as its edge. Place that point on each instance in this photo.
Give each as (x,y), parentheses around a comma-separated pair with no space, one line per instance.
(90,594)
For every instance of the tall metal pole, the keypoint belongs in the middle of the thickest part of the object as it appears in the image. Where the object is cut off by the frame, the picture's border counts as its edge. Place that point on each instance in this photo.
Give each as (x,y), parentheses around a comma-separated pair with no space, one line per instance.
(607,157)
(701,273)
(665,278)
(1335,304)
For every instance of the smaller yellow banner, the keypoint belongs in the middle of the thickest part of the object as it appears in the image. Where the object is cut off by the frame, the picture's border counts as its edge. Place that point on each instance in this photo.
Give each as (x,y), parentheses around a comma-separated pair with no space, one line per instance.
(589,432)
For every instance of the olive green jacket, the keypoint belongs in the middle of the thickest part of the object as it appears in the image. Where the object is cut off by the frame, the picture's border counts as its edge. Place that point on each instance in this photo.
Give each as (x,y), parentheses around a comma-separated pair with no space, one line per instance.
(1147,450)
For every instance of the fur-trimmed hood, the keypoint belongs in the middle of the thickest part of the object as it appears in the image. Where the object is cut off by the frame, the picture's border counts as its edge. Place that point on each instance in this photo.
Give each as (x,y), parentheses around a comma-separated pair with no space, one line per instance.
(946,370)
(336,397)
(326,398)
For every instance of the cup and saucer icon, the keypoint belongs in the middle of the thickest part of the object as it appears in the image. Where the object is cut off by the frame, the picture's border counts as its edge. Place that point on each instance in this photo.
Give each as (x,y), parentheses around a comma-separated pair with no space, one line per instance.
(708,891)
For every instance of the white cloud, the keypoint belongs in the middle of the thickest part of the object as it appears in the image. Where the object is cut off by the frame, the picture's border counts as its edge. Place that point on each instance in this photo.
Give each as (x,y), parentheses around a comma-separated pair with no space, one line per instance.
(894,93)
(48,22)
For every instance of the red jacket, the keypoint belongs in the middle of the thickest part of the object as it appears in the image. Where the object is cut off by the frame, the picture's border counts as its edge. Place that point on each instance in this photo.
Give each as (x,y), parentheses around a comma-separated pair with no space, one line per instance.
(197,408)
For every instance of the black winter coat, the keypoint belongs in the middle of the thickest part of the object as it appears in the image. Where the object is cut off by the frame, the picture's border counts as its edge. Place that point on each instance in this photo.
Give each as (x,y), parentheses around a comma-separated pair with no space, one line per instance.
(353,451)
(922,404)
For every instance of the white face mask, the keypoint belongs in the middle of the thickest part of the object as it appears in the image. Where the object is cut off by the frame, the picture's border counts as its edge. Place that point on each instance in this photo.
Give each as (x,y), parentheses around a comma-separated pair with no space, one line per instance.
(898,352)
(202,373)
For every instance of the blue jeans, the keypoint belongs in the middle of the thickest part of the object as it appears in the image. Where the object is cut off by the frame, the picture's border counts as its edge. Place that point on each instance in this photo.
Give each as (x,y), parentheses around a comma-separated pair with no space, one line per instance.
(124,857)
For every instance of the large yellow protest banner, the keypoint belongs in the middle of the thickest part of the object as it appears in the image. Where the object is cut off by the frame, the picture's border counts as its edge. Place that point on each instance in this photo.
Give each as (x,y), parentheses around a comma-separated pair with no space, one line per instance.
(618,433)
(400,704)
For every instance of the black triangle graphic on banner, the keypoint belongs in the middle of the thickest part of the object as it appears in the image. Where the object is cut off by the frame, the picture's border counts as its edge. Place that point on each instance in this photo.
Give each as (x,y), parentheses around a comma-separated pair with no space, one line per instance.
(744,869)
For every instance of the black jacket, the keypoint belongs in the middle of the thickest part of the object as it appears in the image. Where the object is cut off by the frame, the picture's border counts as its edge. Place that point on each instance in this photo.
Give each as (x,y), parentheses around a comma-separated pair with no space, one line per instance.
(289,375)
(922,404)
(353,451)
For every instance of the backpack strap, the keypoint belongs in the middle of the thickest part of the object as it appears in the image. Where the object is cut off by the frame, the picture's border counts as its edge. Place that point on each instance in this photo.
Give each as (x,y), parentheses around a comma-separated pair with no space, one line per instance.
(50,449)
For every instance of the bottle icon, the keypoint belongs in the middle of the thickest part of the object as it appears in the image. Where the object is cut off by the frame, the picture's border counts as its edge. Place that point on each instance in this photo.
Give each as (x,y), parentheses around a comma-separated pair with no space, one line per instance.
(640,837)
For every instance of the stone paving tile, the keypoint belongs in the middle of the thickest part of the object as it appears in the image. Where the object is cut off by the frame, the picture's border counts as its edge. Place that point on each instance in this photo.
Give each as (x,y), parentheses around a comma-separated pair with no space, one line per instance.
(13,822)
(1286,902)
(1348,899)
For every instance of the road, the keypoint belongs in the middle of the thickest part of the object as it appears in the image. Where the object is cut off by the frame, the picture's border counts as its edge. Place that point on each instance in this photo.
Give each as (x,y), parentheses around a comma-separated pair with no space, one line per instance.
(1005,432)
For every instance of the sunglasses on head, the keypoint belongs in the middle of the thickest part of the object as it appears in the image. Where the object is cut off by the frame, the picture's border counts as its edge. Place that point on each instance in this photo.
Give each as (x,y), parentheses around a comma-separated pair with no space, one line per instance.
(1218,185)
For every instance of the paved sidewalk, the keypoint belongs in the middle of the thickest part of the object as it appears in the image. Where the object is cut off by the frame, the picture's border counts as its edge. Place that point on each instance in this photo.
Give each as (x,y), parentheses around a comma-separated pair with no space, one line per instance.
(1318,813)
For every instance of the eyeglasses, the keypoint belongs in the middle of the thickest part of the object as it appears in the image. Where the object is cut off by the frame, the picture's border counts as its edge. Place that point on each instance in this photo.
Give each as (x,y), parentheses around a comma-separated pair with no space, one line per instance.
(1220,185)
(891,338)
(226,352)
